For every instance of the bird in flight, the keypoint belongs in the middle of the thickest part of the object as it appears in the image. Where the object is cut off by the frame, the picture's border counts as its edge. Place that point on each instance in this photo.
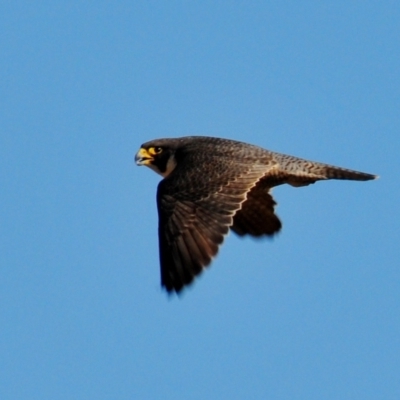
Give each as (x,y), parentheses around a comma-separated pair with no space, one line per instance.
(212,185)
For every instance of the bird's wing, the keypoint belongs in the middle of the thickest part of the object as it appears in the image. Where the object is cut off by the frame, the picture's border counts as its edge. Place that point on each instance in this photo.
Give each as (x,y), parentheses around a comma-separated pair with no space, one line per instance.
(256,216)
(192,225)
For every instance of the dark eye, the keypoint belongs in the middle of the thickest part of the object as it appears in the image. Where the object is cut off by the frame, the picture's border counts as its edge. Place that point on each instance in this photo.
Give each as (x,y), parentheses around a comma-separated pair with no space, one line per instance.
(157,150)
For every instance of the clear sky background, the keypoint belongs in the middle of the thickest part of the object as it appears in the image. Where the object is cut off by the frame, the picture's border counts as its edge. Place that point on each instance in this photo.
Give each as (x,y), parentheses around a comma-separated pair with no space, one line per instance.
(312,314)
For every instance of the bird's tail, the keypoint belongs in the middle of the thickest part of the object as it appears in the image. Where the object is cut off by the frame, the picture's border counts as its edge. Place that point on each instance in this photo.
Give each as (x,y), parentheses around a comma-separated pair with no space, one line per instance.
(302,172)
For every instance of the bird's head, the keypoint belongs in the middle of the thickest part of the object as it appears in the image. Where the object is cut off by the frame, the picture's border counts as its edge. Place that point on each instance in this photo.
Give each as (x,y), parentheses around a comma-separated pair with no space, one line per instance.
(157,155)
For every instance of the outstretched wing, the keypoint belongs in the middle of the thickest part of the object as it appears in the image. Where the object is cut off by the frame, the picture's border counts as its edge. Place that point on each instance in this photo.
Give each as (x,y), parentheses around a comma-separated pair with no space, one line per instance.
(192,224)
(256,217)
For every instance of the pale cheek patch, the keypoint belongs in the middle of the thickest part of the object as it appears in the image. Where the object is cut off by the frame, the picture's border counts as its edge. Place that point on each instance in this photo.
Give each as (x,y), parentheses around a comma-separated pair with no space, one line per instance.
(171,164)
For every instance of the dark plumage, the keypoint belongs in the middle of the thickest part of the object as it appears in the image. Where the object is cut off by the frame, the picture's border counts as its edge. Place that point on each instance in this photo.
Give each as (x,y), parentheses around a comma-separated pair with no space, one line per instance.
(212,185)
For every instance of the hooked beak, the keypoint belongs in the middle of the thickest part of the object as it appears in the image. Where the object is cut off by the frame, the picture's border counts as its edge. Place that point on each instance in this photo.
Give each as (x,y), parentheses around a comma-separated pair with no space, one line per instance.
(143,157)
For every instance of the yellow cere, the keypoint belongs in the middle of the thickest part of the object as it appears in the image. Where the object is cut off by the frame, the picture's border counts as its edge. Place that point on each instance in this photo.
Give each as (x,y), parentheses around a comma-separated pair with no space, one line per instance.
(143,153)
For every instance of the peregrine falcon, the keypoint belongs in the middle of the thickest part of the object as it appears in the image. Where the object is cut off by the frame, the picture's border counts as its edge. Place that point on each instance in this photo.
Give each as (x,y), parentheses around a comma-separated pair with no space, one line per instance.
(212,185)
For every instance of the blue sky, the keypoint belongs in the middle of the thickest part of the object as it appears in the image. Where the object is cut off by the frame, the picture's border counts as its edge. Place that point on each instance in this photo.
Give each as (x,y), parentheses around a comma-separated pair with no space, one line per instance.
(312,314)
